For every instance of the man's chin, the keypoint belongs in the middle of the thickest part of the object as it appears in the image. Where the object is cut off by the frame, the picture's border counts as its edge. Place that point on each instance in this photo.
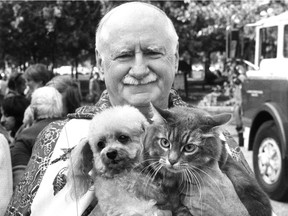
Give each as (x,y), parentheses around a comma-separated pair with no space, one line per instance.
(140,101)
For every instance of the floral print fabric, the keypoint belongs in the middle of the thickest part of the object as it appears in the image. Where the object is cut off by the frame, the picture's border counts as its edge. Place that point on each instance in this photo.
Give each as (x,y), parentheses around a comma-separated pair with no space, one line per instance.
(26,190)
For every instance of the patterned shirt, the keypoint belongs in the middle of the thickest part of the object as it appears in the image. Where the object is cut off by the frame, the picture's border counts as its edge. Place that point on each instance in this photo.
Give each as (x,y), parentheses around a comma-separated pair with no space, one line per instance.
(26,190)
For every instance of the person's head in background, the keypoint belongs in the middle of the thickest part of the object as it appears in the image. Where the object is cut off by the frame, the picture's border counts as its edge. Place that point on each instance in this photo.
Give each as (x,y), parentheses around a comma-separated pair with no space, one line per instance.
(70,91)
(46,102)
(16,85)
(12,110)
(137,48)
(36,76)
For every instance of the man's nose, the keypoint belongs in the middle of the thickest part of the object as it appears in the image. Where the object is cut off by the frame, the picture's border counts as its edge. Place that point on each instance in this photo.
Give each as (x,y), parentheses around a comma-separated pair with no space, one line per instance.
(139,68)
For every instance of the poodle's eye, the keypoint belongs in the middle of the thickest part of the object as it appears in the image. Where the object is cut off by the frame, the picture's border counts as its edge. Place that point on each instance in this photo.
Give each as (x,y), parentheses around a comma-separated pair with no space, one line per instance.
(164,143)
(123,139)
(101,144)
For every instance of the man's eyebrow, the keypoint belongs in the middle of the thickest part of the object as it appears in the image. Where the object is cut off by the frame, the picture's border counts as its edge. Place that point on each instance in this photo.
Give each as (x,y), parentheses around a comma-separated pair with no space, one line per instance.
(120,51)
(156,48)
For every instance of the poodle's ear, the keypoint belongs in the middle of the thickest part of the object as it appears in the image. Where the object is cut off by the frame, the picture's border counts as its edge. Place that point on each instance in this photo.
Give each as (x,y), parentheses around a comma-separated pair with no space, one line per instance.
(80,164)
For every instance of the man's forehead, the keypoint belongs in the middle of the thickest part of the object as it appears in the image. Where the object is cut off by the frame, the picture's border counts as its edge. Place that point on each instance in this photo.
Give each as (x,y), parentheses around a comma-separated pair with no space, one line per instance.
(143,22)
(133,16)
(135,9)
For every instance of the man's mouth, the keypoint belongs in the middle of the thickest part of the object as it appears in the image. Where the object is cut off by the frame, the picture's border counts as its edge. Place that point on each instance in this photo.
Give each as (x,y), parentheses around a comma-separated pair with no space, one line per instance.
(128,80)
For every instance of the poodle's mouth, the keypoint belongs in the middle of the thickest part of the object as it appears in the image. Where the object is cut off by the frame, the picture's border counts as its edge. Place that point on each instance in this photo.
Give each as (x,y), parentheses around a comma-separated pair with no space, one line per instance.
(117,166)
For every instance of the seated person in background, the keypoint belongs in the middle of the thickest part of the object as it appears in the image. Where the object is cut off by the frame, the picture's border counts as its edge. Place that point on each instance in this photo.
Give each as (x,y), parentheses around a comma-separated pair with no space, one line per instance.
(70,91)
(137,48)
(5,174)
(16,85)
(71,96)
(36,76)
(46,105)
(12,111)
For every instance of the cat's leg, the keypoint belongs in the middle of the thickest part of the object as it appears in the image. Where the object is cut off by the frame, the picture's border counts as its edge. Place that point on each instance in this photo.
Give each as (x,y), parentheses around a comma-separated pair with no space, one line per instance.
(249,192)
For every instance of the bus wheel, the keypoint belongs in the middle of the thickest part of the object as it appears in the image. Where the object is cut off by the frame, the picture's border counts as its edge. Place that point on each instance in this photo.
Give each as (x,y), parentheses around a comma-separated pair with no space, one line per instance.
(269,167)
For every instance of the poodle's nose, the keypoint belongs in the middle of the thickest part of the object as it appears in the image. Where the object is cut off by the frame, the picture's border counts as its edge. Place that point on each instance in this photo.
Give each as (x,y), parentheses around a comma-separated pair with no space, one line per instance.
(112,154)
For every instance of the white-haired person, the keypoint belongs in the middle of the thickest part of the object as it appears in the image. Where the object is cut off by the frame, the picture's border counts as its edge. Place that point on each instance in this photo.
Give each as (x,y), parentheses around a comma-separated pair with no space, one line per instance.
(46,106)
(137,49)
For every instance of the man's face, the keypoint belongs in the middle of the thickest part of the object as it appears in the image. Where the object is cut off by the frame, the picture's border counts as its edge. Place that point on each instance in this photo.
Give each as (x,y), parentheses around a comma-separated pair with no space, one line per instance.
(139,61)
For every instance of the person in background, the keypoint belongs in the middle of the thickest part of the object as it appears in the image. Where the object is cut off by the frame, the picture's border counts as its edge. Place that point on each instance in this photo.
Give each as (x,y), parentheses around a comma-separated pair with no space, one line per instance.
(12,111)
(16,85)
(3,87)
(36,75)
(94,88)
(71,97)
(70,91)
(5,174)
(46,106)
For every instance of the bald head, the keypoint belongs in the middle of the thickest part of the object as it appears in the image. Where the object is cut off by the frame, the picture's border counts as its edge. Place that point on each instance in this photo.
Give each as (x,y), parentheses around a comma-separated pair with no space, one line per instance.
(134,15)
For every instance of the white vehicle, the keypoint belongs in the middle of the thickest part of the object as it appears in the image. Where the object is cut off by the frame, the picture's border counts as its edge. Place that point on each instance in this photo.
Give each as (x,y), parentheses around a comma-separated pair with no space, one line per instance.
(265,105)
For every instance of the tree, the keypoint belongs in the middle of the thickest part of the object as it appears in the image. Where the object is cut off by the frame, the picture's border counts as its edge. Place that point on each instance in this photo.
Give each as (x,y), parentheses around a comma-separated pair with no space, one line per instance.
(63,32)
(53,32)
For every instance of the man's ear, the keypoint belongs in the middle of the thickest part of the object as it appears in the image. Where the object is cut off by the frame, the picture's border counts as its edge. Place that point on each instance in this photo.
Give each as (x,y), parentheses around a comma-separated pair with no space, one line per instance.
(99,61)
(177,57)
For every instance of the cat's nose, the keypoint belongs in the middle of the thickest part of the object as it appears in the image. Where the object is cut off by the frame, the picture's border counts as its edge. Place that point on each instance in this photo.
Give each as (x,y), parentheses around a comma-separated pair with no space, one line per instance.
(112,154)
(172,161)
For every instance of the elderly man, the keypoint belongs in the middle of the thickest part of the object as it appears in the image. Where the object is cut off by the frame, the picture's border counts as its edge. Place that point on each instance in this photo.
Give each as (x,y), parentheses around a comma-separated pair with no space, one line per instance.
(137,48)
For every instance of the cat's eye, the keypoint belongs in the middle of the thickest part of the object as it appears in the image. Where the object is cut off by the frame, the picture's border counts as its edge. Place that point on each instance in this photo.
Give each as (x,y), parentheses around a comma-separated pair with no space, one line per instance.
(189,148)
(164,143)
(123,139)
(101,144)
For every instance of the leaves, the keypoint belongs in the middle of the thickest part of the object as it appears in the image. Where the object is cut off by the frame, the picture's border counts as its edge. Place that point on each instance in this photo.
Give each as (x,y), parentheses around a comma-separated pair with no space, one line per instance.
(63,32)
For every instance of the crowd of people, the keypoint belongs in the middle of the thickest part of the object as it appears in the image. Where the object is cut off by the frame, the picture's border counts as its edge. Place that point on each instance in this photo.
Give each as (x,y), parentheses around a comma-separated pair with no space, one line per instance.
(29,102)
(137,49)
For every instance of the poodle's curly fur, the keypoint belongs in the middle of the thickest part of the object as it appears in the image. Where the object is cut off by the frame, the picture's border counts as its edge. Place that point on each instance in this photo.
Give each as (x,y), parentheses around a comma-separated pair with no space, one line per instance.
(108,157)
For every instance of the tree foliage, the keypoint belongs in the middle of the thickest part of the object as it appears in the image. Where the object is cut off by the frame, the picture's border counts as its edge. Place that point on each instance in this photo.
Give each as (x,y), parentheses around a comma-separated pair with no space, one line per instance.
(63,32)
(52,32)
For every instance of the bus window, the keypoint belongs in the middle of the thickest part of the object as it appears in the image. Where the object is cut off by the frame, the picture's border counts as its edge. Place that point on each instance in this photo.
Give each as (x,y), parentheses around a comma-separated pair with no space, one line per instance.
(268,42)
(285,47)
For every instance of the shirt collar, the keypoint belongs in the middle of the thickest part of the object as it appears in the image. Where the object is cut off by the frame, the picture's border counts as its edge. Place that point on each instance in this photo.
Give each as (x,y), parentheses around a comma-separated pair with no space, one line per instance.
(87,112)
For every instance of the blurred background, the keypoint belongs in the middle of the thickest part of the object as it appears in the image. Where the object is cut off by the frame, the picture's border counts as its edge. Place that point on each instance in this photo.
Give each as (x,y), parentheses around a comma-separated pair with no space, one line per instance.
(61,34)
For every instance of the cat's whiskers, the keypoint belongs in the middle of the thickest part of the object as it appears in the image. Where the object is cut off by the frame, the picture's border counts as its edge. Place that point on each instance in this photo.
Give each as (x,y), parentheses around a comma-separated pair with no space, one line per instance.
(151,176)
(140,163)
(191,175)
(210,177)
(151,165)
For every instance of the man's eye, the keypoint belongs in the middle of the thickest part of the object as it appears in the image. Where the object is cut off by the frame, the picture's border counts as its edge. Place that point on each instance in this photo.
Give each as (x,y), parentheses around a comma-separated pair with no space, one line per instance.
(154,54)
(124,56)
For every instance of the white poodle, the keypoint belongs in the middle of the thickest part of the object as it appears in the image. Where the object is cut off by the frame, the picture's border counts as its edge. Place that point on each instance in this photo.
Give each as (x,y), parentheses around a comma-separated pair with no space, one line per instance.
(108,159)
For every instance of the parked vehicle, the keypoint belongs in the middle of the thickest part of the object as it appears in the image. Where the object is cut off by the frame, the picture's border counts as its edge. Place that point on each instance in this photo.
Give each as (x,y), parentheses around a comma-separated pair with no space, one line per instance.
(265,105)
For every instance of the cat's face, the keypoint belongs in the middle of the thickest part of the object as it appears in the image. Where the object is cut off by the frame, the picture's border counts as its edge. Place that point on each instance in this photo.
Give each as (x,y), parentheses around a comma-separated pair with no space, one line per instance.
(183,140)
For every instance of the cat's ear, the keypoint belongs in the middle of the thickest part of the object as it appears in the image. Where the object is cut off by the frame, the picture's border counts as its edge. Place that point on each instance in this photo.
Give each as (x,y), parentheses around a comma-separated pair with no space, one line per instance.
(155,115)
(219,119)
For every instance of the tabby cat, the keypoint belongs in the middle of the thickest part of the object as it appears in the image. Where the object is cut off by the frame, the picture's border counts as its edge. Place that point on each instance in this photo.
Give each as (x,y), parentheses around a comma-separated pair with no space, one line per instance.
(184,153)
